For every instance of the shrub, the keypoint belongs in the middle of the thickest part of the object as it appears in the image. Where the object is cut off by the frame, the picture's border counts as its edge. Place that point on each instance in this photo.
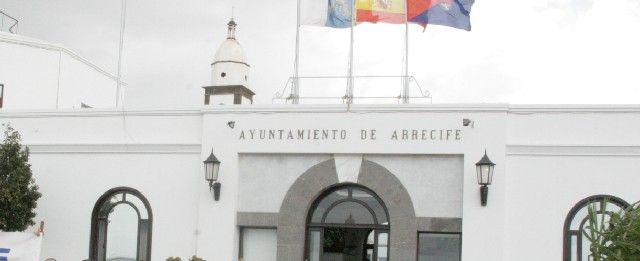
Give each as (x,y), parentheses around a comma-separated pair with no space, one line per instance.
(619,238)
(18,191)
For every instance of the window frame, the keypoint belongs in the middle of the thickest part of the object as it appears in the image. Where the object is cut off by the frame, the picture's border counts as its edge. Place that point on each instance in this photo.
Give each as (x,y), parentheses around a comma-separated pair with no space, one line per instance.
(1,95)
(96,234)
(437,233)
(568,233)
(376,220)
(241,237)
(376,228)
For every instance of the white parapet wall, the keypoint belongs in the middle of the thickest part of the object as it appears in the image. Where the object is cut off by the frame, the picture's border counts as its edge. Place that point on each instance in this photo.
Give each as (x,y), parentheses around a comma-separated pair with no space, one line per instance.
(41,75)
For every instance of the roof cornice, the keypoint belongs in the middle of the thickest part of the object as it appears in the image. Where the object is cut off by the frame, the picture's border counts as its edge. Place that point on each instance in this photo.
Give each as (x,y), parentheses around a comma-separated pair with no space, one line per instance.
(330,108)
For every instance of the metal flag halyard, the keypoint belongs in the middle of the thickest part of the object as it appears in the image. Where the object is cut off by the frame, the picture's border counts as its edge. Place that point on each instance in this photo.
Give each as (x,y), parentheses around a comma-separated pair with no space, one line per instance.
(123,16)
(295,89)
(349,95)
(405,73)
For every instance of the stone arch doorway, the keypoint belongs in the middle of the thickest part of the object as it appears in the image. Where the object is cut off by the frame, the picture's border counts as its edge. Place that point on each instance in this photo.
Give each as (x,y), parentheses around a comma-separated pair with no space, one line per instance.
(347,222)
(310,186)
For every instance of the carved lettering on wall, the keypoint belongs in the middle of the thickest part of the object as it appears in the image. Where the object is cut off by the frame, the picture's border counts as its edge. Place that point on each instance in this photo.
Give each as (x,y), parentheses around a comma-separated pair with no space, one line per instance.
(342,134)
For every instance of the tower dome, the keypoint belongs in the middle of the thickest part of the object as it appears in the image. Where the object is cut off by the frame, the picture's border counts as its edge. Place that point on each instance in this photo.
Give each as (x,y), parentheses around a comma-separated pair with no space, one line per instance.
(230,65)
(229,73)
(230,50)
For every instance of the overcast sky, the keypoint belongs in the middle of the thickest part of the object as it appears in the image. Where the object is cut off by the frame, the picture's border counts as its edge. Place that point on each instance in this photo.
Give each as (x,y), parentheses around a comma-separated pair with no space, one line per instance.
(537,51)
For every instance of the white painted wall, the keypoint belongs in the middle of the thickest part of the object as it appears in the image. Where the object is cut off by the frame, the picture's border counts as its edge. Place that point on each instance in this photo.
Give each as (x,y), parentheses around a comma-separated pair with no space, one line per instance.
(76,156)
(41,75)
(71,183)
(555,158)
(434,182)
(548,158)
(270,174)
(235,74)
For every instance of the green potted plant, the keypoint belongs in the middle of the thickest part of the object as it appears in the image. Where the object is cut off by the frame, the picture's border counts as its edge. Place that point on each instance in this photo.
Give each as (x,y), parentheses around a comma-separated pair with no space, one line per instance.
(614,236)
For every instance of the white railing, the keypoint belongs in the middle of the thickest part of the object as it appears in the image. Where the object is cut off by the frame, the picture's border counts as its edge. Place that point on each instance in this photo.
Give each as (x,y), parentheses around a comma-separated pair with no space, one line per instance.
(366,90)
(8,23)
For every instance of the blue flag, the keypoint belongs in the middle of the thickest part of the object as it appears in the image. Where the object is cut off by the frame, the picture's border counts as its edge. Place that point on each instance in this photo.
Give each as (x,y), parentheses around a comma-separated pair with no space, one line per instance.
(453,13)
(340,14)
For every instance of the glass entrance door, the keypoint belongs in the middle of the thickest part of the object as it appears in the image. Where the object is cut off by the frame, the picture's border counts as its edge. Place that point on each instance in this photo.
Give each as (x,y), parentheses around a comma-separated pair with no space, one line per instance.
(348,223)
(348,244)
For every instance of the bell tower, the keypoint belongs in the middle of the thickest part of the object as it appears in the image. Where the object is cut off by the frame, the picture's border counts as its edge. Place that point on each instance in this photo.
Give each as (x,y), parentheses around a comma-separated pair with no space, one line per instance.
(229,73)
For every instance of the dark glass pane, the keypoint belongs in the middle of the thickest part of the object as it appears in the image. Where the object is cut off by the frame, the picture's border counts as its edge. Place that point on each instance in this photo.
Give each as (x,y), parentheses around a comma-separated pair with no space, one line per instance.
(439,247)
(383,246)
(144,227)
(349,213)
(314,245)
(345,244)
(122,233)
(326,202)
(373,203)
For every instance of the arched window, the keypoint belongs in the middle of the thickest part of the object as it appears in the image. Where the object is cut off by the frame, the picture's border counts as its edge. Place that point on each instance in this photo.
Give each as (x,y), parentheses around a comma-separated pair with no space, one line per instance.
(121,224)
(576,246)
(347,221)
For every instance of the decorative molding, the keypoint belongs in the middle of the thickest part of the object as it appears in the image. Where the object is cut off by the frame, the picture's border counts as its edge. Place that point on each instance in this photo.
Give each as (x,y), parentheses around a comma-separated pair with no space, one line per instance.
(328,108)
(95,113)
(114,148)
(356,108)
(348,167)
(573,108)
(229,61)
(573,150)
(257,219)
(439,224)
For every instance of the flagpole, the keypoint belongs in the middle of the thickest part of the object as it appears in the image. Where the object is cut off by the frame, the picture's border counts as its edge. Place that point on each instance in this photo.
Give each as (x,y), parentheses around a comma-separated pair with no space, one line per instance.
(350,78)
(123,15)
(405,82)
(295,89)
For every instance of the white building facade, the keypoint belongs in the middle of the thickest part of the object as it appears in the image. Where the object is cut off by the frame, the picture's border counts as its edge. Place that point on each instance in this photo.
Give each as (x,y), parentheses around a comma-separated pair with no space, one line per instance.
(277,160)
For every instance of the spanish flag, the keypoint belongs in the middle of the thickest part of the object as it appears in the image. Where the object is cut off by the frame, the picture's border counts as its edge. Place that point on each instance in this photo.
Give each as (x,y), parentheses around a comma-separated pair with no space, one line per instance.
(381,11)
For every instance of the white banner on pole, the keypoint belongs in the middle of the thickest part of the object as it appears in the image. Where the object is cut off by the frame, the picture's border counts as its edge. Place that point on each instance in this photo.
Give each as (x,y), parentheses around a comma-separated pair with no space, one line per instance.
(16,246)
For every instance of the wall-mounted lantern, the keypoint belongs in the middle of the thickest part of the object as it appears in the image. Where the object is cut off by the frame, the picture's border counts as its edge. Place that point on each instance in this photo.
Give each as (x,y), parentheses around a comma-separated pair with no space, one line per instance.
(484,169)
(211,168)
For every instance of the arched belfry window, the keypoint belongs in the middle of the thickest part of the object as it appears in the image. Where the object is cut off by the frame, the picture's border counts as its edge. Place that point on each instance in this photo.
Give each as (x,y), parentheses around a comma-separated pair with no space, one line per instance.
(575,245)
(121,224)
(345,222)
